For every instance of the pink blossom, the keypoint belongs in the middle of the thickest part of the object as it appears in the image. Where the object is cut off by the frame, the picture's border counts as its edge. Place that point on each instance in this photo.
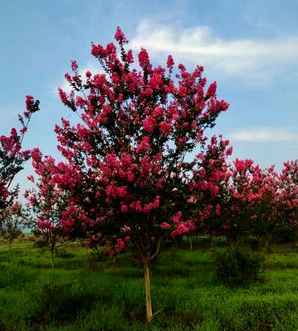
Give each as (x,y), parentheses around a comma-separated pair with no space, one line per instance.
(170,61)
(211,90)
(149,124)
(143,58)
(165,225)
(74,65)
(177,217)
(144,144)
(119,35)
(165,128)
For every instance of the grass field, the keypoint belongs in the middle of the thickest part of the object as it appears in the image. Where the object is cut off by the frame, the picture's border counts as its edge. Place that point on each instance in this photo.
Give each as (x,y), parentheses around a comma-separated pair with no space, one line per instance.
(83,294)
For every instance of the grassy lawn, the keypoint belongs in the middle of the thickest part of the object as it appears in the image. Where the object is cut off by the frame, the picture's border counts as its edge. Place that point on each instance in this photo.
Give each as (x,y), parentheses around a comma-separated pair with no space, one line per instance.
(84,294)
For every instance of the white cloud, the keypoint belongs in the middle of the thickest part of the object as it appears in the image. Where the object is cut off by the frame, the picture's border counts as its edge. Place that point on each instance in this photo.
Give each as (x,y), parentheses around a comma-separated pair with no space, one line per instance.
(264,135)
(254,58)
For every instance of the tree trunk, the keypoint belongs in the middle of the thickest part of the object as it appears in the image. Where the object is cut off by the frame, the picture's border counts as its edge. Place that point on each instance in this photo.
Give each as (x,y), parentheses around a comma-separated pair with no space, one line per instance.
(52,248)
(149,315)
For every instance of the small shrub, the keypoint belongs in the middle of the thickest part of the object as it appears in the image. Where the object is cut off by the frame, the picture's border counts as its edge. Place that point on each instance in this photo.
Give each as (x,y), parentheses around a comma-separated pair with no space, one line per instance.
(64,302)
(95,259)
(238,266)
(253,242)
(63,253)
(96,254)
(284,233)
(40,242)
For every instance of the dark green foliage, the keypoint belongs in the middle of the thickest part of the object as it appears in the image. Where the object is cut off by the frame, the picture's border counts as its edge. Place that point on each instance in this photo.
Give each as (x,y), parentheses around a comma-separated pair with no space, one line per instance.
(40,242)
(63,253)
(238,266)
(284,233)
(64,302)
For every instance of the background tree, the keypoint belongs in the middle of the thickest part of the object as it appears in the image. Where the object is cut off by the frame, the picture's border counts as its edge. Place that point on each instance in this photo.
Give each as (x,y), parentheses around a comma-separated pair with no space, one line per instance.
(46,201)
(12,158)
(286,203)
(259,202)
(12,224)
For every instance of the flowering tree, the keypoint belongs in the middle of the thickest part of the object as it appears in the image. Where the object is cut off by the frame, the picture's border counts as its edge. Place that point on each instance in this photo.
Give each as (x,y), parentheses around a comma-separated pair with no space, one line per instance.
(12,223)
(46,200)
(286,200)
(250,200)
(12,157)
(133,159)
(258,201)
(210,186)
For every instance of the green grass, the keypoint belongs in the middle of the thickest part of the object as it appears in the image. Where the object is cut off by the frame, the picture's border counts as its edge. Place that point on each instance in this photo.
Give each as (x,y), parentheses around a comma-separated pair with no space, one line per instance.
(81,294)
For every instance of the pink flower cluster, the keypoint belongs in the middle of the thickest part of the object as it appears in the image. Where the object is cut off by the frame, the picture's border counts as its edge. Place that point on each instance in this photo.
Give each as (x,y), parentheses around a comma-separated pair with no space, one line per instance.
(12,157)
(125,165)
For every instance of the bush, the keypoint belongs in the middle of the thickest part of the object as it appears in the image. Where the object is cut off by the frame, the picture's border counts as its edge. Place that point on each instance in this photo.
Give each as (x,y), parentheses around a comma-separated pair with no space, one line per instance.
(284,233)
(63,253)
(40,242)
(238,266)
(64,302)
(96,254)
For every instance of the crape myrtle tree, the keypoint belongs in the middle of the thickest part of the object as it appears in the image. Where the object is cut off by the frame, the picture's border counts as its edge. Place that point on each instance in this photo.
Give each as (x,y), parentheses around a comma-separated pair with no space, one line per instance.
(210,187)
(46,200)
(259,202)
(12,158)
(286,200)
(249,208)
(12,224)
(133,159)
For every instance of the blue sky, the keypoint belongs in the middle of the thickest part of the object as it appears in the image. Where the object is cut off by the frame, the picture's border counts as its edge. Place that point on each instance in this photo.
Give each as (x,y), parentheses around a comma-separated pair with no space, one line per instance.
(249,47)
